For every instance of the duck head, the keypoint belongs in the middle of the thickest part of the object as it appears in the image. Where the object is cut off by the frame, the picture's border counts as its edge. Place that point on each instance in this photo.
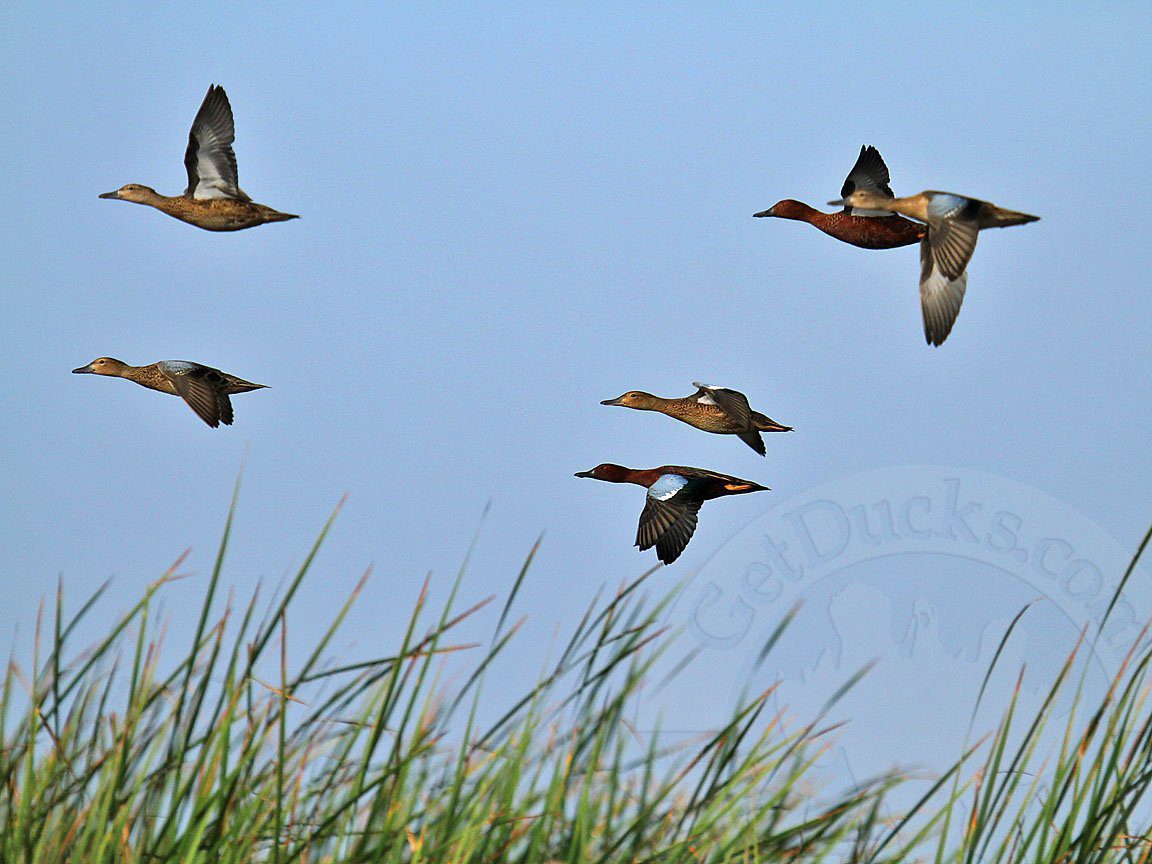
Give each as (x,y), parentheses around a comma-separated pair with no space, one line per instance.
(134,192)
(788,208)
(607,471)
(102,366)
(633,399)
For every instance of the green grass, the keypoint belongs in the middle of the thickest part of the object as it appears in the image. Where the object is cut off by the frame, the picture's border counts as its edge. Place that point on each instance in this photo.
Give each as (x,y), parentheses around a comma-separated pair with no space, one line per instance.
(129,751)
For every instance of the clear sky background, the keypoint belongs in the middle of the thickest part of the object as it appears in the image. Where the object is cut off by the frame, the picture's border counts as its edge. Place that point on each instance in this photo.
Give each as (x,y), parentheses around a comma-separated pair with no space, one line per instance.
(512,213)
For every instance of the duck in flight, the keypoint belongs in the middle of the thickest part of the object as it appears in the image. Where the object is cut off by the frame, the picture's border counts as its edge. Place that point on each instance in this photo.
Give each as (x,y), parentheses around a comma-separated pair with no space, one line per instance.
(675,493)
(711,409)
(877,228)
(868,229)
(213,200)
(206,390)
(953,223)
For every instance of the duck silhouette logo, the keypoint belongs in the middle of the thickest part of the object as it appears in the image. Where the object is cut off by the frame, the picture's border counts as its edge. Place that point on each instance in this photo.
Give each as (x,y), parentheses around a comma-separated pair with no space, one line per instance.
(908,578)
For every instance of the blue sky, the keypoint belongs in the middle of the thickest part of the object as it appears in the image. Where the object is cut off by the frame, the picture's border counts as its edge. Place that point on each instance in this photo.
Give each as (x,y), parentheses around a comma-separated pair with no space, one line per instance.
(509,214)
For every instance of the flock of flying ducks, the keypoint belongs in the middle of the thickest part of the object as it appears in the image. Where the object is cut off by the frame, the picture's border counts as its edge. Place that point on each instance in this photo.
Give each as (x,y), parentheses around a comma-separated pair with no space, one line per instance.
(872,217)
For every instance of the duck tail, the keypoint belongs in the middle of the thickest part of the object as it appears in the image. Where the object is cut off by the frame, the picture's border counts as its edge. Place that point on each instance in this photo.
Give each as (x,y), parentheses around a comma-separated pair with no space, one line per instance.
(271,215)
(767,424)
(239,385)
(1002,218)
(741,487)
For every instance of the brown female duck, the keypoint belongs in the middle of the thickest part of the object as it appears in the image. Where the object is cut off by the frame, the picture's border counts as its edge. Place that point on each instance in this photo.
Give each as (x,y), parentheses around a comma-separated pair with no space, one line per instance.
(213,200)
(206,390)
(710,409)
(675,493)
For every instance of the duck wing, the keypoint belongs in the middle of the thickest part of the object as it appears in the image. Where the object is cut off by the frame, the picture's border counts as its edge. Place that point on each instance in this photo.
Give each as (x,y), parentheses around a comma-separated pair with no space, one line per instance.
(731,402)
(701,483)
(668,520)
(869,173)
(210,160)
(199,387)
(953,227)
(753,440)
(940,296)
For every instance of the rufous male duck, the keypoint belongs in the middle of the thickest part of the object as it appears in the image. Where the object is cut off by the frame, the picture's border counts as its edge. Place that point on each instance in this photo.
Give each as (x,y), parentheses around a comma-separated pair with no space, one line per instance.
(675,493)
(953,221)
(711,409)
(206,390)
(868,229)
(213,200)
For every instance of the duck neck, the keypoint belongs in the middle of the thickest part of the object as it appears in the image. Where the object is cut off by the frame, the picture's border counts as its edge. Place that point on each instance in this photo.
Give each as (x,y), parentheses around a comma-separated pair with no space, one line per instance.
(653,403)
(148,376)
(641,476)
(149,197)
(914,207)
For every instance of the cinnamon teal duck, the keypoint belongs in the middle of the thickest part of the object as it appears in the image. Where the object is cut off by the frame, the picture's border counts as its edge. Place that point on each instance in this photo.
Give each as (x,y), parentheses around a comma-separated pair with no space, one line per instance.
(866,228)
(953,223)
(675,493)
(878,228)
(711,409)
(213,200)
(206,390)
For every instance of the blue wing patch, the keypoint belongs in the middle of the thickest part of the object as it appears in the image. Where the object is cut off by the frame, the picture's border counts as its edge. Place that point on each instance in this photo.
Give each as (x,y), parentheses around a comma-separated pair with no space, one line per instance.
(667,486)
(178,367)
(944,206)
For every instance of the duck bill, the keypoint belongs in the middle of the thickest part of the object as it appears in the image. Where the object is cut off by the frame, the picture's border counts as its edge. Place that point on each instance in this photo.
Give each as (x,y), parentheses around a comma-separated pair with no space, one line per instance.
(83,370)
(583,474)
(113,195)
(771,211)
(615,401)
(839,202)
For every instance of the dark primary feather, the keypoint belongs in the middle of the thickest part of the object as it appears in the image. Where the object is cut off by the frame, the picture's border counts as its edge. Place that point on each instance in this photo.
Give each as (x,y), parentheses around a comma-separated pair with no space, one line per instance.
(731,402)
(952,242)
(869,172)
(753,440)
(210,160)
(203,388)
(668,525)
(940,297)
